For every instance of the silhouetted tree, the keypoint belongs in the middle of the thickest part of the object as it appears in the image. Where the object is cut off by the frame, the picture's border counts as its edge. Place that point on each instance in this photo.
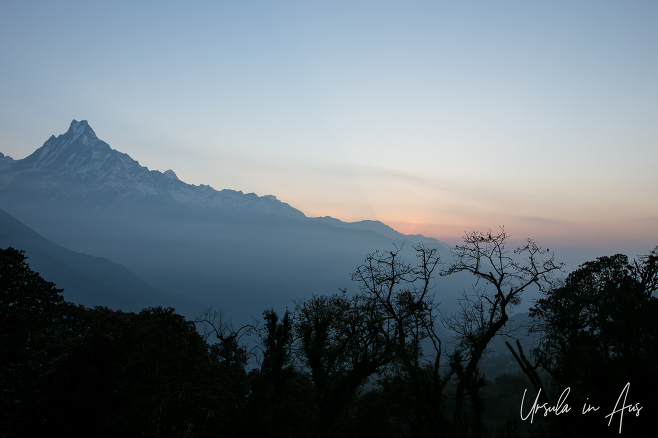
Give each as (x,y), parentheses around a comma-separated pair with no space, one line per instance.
(132,374)
(342,345)
(30,311)
(598,333)
(485,312)
(403,296)
(228,349)
(281,397)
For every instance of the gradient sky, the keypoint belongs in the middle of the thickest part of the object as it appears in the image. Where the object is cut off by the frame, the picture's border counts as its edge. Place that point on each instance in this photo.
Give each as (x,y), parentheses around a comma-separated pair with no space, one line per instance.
(433,117)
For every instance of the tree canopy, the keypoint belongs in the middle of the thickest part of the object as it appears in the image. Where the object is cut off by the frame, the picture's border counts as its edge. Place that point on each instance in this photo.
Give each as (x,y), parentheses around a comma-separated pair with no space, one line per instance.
(29,310)
(366,363)
(598,331)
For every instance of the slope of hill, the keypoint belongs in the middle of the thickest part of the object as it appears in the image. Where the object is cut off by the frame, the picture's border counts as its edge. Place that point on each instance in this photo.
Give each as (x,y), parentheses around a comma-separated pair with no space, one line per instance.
(88,280)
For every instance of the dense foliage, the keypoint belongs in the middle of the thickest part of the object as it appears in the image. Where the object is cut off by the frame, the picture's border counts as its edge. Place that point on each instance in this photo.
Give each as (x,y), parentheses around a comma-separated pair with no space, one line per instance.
(29,311)
(599,333)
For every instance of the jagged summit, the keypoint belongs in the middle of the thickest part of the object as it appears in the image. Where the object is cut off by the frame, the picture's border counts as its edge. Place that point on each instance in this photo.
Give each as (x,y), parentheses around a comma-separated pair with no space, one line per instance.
(76,129)
(78,153)
(77,167)
(80,128)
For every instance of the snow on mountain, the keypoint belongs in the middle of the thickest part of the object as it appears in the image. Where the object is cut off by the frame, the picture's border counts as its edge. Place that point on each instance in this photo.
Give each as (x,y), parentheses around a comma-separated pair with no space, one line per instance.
(79,167)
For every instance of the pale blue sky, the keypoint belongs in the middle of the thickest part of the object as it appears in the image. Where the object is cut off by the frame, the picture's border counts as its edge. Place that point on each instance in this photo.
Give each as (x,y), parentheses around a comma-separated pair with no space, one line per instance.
(434,117)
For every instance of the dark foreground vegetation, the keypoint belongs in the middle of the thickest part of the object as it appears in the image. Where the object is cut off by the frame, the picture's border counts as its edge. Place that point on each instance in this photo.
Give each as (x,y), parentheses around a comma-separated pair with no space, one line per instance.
(364,364)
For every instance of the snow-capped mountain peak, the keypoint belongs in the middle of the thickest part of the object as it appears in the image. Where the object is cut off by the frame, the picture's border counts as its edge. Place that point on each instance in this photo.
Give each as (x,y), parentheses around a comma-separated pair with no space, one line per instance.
(76,151)
(81,128)
(80,168)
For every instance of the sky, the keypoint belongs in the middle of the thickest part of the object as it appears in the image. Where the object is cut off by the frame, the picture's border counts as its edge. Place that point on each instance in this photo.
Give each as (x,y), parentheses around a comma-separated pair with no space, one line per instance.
(433,117)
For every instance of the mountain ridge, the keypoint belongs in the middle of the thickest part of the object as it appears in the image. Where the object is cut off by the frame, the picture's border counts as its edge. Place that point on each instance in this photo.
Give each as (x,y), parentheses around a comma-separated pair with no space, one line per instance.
(78,157)
(78,167)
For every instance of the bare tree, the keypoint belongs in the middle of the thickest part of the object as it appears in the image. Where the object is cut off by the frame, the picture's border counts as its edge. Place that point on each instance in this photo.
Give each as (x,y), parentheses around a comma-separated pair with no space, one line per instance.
(529,370)
(229,349)
(500,279)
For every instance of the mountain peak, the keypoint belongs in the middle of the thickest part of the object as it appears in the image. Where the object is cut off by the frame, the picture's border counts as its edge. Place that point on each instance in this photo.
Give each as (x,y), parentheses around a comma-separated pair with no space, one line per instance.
(78,167)
(72,152)
(82,127)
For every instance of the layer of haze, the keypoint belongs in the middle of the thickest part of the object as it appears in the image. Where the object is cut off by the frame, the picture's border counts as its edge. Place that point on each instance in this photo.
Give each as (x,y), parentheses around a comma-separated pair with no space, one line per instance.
(433,117)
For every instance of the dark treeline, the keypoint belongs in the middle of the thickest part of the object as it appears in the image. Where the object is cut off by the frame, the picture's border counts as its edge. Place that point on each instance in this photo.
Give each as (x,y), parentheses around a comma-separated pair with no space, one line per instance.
(364,364)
